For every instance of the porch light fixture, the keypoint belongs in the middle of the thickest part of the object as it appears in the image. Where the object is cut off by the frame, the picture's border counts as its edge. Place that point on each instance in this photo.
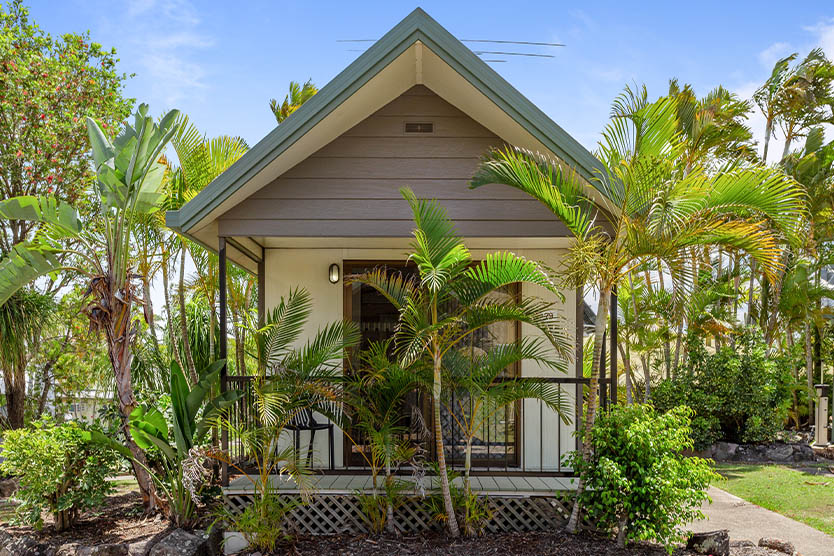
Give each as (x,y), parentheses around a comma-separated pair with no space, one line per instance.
(333,273)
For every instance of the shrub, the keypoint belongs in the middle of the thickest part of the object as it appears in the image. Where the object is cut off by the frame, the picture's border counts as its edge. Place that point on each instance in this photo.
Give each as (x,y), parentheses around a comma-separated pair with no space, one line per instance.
(471,510)
(60,470)
(638,482)
(740,395)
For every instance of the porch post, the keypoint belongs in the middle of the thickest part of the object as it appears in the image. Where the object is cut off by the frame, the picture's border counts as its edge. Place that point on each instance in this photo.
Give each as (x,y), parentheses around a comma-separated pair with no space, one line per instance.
(613,348)
(580,341)
(262,291)
(223,339)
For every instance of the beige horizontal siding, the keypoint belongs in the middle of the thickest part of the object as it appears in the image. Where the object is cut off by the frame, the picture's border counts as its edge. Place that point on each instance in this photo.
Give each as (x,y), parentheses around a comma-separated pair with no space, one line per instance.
(350,188)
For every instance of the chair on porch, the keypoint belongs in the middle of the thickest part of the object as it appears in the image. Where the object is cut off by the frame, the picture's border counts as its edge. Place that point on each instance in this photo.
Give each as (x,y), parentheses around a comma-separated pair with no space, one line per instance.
(305,421)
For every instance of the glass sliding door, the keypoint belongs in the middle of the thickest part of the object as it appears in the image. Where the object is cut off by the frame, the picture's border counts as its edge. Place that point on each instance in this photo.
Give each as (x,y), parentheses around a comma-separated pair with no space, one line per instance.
(496,443)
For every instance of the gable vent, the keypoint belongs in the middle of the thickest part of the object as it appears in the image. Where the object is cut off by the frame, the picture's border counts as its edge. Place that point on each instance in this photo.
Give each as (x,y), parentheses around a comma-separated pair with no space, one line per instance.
(419,127)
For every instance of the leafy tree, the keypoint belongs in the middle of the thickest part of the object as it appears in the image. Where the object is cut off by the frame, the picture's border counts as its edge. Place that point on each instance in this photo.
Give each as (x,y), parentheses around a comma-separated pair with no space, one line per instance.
(48,87)
(451,299)
(641,484)
(645,207)
(130,179)
(61,470)
(298,95)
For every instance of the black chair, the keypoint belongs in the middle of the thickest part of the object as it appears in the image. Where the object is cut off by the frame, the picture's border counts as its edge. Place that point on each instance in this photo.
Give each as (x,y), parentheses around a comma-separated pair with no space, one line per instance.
(305,421)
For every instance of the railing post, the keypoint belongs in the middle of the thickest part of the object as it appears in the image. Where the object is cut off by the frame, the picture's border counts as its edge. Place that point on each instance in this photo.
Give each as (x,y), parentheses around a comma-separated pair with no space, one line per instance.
(613,349)
(223,339)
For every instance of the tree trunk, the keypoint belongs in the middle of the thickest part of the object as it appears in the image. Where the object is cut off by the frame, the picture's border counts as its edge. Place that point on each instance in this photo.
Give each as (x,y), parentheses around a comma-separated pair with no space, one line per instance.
(452,523)
(749,317)
(186,344)
(15,383)
(625,353)
(795,398)
(120,332)
(647,377)
(170,324)
(591,411)
(146,294)
(809,371)
(389,506)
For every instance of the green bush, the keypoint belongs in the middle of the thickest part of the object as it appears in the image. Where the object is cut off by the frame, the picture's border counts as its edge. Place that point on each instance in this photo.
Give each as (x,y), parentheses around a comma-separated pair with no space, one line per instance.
(60,471)
(638,483)
(739,395)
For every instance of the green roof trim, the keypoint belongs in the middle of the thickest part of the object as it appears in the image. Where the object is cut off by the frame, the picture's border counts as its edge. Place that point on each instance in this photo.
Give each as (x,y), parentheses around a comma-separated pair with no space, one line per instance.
(418,25)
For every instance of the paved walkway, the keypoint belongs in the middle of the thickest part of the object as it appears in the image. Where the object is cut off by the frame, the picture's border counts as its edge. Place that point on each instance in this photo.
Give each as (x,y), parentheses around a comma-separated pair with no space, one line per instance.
(747,521)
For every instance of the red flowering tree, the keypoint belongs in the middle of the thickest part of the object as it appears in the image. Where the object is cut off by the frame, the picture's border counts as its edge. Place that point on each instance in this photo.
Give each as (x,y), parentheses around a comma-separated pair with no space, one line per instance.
(48,86)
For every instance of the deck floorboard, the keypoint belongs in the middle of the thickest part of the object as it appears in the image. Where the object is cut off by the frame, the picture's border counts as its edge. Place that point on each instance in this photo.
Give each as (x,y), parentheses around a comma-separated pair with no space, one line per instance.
(350,483)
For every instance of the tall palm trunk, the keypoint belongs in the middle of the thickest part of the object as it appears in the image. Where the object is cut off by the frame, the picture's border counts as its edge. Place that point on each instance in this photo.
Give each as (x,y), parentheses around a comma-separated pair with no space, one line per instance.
(452,523)
(170,324)
(748,319)
(186,344)
(146,297)
(625,353)
(809,370)
(15,382)
(591,408)
(120,332)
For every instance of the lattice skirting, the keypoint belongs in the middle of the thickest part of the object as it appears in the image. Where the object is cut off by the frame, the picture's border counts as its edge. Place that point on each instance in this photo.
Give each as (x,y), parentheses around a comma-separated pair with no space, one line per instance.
(331,514)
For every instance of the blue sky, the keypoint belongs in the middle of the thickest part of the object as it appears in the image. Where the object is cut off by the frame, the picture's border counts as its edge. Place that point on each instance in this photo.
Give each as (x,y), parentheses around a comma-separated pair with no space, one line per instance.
(221,62)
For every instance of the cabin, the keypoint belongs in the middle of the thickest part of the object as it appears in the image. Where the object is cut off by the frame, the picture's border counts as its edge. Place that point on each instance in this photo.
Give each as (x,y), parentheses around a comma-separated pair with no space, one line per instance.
(318,199)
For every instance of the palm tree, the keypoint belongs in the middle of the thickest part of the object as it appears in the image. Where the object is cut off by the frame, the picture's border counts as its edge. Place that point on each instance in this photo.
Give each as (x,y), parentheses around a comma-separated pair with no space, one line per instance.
(22,319)
(130,180)
(201,160)
(453,297)
(644,207)
(374,397)
(478,388)
(298,95)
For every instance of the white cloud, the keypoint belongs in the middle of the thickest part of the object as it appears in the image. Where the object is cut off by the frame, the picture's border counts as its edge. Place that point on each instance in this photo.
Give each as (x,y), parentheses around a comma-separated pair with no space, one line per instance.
(770,55)
(824,35)
(170,35)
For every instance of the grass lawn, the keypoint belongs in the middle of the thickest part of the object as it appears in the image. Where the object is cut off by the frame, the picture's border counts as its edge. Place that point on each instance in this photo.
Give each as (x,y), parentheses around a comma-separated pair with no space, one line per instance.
(800,495)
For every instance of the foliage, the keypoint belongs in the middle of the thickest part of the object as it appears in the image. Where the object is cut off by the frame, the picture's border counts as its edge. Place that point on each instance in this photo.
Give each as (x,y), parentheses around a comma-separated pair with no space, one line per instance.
(259,522)
(651,201)
(374,396)
(639,482)
(738,394)
(48,86)
(149,428)
(292,379)
(60,470)
(298,95)
(471,510)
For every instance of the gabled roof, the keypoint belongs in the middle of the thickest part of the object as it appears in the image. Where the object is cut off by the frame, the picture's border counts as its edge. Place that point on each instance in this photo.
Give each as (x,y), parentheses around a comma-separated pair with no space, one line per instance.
(417,28)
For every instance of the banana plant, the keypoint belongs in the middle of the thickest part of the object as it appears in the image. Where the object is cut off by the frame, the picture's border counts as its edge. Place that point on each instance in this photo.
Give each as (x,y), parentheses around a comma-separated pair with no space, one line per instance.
(129,184)
(192,417)
(149,427)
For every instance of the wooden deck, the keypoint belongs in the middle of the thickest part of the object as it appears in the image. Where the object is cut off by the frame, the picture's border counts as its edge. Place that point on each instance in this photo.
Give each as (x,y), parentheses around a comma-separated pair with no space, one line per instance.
(491,485)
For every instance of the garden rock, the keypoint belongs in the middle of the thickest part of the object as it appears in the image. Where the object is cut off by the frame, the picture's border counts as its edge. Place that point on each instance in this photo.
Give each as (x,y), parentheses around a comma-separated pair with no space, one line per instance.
(8,487)
(20,546)
(182,543)
(724,451)
(715,543)
(778,544)
(779,452)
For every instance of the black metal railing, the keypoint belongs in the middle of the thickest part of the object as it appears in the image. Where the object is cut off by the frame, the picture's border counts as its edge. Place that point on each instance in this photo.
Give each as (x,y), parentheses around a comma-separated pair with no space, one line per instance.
(498,446)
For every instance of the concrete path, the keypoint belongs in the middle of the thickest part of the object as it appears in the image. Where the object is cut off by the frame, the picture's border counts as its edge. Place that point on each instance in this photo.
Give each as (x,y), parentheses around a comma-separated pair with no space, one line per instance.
(747,521)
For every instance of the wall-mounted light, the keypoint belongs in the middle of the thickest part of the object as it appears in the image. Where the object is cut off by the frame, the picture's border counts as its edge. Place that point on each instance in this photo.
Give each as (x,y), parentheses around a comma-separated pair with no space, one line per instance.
(333,273)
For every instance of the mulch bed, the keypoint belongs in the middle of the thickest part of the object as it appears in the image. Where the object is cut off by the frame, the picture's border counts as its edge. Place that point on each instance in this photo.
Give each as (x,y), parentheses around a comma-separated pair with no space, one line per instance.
(507,544)
(120,520)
